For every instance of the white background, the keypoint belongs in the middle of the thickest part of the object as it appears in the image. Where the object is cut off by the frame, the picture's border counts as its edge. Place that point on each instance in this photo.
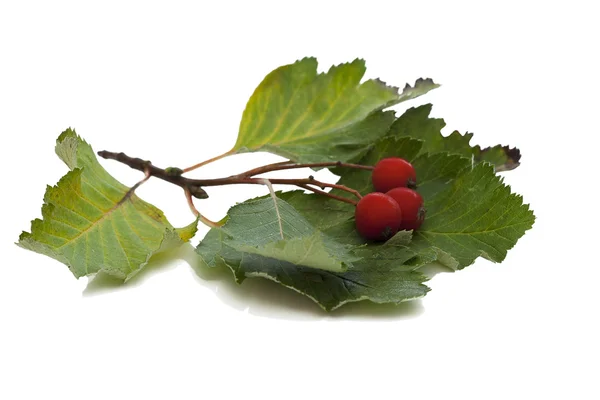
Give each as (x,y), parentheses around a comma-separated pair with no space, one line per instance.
(168,82)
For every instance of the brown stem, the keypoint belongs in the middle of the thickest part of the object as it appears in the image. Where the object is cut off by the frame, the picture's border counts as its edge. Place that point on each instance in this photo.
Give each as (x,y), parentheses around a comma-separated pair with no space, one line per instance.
(195,211)
(311,181)
(132,189)
(327,194)
(266,168)
(171,175)
(290,165)
(193,187)
(200,164)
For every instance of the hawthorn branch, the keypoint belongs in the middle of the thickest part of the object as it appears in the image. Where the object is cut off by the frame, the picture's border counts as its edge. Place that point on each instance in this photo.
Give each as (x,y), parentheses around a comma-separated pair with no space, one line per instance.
(194,187)
(171,175)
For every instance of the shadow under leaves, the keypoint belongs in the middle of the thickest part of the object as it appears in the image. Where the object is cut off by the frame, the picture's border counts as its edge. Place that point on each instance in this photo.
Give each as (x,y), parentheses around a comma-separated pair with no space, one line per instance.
(257,296)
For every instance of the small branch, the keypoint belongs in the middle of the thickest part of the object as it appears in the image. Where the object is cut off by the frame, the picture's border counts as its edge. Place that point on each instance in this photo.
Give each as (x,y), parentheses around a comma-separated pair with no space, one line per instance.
(190,201)
(312,181)
(195,211)
(131,190)
(147,176)
(194,187)
(327,194)
(193,167)
(274,197)
(290,165)
(171,175)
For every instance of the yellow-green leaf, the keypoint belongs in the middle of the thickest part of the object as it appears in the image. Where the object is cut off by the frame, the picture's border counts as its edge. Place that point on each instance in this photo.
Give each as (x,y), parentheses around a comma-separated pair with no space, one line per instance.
(90,224)
(309,117)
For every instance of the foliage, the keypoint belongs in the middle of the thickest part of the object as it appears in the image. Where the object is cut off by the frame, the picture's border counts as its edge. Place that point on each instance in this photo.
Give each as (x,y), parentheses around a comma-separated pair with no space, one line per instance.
(306,242)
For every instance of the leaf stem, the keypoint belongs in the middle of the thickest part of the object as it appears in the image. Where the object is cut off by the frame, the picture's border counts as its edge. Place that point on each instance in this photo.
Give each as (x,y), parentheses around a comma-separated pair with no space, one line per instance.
(132,189)
(311,181)
(274,197)
(210,160)
(196,213)
(291,165)
(327,194)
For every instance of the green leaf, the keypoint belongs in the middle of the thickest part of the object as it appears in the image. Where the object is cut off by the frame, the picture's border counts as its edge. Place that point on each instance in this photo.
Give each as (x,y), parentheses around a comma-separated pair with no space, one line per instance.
(504,158)
(250,245)
(415,123)
(88,223)
(330,216)
(372,278)
(336,220)
(436,171)
(321,212)
(256,227)
(306,242)
(309,117)
(475,215)
(379,273)
(470,212)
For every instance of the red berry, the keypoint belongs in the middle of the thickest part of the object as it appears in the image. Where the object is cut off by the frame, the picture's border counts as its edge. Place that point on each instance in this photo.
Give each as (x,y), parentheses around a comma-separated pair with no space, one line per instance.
(378,216)
(393,172)
(411,204)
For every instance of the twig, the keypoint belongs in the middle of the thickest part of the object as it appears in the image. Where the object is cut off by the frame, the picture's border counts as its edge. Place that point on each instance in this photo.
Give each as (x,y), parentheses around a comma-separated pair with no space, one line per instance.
(195,211)
(132,189)
(171,175)
(333,196)
(290,165)
(194,187)
(312,181)
(193,167)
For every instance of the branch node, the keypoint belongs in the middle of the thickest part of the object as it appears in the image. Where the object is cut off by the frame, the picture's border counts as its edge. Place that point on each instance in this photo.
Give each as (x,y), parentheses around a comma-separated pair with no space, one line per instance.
(197,191)
(173,171)
(196,213)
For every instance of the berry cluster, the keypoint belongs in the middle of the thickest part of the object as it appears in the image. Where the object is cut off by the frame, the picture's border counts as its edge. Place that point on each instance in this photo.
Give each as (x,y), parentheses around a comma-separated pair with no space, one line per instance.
(394,206)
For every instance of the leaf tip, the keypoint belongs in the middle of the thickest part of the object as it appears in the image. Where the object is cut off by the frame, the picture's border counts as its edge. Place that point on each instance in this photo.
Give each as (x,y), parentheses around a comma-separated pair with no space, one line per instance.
(69,132)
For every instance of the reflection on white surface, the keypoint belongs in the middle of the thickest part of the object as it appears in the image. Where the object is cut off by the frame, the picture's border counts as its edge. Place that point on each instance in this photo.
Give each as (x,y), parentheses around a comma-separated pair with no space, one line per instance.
(256,296)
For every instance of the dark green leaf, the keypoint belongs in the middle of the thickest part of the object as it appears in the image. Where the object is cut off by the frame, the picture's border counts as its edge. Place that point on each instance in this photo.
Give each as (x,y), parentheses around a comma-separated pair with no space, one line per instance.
(475,215)
(470,212)
(415,123)
(379,276)
(253,227)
